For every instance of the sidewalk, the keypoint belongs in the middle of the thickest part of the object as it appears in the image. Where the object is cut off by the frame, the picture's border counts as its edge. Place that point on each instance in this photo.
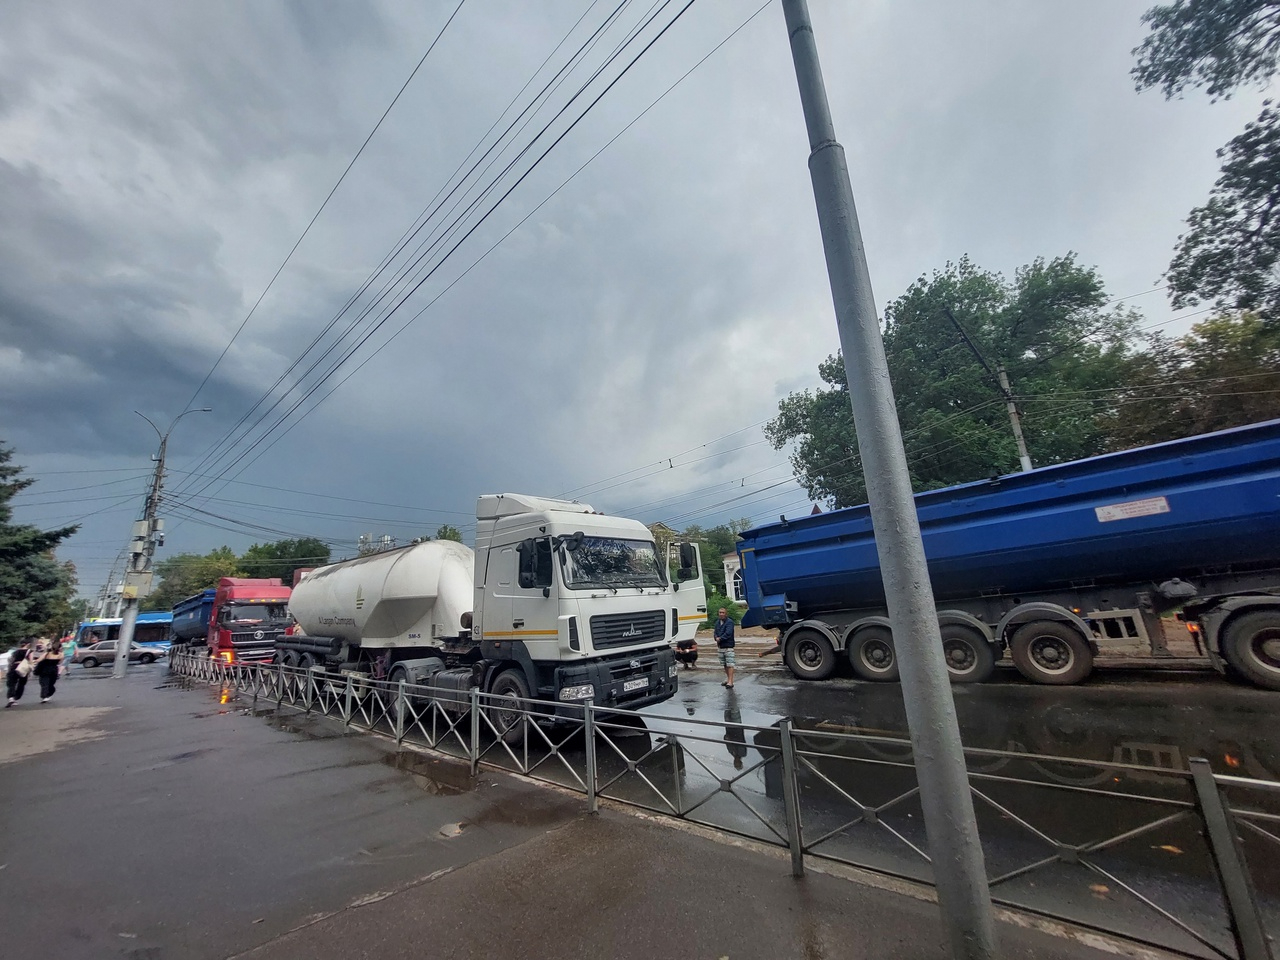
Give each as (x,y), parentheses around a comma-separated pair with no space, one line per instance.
(168,824)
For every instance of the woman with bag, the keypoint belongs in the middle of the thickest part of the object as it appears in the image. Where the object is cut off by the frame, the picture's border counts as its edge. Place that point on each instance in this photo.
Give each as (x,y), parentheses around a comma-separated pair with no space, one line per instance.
(48,663)
(19,669)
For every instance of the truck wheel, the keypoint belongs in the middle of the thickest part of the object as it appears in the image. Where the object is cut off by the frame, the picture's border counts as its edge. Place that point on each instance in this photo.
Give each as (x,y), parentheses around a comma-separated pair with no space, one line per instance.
(970,658)
(872,655)
(1251,644)
(306,661)
(1050,652)
(510,693)
(810,655)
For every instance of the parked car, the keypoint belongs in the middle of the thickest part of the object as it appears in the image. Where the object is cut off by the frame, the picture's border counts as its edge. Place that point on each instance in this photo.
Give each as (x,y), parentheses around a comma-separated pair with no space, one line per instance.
(104,651)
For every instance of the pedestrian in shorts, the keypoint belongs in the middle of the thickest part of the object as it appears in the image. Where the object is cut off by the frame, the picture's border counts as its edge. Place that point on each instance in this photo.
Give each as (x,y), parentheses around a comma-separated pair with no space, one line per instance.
(724,641)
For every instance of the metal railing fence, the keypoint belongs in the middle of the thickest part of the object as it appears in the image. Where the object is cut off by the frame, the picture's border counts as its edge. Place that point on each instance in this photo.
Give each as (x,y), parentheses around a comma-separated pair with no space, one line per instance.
(1183,860)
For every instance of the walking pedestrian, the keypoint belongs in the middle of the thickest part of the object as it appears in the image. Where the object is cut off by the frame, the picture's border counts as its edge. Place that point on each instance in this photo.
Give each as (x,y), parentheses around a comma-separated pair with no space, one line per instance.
(69,647)
(48,663)
(724,641)
(15,679)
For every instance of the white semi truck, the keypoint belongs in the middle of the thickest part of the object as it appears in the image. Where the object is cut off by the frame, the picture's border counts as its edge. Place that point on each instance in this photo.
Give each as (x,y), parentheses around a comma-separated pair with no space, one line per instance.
(556,602)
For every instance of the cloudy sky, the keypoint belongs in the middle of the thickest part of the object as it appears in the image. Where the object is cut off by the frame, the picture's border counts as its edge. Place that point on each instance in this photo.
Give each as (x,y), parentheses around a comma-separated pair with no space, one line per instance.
(616,332)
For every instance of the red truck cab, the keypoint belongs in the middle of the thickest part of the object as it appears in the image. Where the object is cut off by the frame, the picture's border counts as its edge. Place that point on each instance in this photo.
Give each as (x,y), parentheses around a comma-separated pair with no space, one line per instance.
(247,618)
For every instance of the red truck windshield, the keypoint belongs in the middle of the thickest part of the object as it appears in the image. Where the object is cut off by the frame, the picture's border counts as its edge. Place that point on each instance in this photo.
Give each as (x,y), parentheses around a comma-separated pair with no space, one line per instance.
(257,612)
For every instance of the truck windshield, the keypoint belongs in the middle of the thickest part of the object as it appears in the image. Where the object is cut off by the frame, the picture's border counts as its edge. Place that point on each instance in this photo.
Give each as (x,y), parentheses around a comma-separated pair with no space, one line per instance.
(258,612)
(606,562)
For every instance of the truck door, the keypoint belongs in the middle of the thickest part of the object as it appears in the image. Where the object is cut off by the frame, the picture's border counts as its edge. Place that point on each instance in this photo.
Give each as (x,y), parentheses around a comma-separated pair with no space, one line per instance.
(685,560)
(535,605)
(499,594)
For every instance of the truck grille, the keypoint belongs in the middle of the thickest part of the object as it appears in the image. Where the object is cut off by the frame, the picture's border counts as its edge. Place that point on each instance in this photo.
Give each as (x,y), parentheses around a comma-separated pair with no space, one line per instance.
(626,629)
(255,638)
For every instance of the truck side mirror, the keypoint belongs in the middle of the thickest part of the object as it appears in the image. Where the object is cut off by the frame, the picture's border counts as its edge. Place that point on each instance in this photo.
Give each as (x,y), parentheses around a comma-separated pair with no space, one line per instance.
(688,559)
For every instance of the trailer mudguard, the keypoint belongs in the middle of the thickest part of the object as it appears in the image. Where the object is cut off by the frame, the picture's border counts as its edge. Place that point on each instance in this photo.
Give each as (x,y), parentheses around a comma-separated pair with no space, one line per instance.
(1043,610)
(825,629)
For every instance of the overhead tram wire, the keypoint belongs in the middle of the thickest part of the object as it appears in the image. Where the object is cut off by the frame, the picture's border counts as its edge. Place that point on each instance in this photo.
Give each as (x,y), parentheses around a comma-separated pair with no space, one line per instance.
(329,197)
(497,243)
(415,265)
(419,223)
(455,246)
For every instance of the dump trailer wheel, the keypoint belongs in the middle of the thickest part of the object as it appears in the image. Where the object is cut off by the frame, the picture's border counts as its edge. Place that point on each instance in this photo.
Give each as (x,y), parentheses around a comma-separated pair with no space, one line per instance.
(873,655)
(969,656)
(1251,644)
(511,694)
(809,655)
(1048,651)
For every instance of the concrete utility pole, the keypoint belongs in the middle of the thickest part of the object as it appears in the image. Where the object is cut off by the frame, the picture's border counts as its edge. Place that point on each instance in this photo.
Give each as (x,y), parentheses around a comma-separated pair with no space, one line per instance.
(1015,420)
(147,535)
(954,847)
(1002,380)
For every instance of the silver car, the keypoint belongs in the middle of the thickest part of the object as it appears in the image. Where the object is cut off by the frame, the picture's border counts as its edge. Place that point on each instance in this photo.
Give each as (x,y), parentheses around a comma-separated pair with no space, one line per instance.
(104,651)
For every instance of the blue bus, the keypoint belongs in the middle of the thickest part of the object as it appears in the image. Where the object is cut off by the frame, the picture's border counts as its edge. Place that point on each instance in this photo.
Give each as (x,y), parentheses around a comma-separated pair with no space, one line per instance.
(152,628)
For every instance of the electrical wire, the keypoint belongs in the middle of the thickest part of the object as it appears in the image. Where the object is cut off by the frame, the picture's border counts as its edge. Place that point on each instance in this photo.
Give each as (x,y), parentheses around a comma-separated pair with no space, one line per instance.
(324,204)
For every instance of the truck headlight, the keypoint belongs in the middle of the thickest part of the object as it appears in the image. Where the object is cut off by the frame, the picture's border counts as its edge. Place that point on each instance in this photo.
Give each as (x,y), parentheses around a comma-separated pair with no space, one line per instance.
(584,691)
(671,670)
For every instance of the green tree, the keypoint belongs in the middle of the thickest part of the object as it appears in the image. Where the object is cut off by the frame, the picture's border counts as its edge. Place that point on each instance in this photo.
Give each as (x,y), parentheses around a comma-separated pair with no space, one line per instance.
(283,557)
(1224,373)
(1231,249)
(32,583)
(66,609)
(447,532)
(187,574)
(1048,327)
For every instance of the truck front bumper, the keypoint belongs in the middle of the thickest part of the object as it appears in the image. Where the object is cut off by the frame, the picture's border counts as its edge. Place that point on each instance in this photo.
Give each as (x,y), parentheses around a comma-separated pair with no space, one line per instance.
(629,681)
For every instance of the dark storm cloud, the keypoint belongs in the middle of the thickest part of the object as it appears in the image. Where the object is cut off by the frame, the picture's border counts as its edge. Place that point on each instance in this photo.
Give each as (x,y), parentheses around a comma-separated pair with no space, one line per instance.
(158,161)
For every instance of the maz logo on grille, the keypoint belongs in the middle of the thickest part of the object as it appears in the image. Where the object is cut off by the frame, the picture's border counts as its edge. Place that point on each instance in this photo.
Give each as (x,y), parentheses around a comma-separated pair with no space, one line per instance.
(632,632)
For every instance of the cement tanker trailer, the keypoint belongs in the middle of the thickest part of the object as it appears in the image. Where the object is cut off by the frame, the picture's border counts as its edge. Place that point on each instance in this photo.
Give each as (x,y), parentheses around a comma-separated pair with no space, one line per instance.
(557,602)
(1052,567)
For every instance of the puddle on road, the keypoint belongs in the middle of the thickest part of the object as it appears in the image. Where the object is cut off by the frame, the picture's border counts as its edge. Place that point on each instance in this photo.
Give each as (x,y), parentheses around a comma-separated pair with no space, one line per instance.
(434,776)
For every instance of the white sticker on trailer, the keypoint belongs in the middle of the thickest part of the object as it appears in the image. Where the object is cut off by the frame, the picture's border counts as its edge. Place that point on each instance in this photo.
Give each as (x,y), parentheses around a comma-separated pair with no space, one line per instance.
(1134,508)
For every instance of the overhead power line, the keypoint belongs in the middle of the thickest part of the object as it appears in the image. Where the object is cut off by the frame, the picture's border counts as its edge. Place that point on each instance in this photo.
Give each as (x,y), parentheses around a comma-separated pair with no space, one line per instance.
(325,203)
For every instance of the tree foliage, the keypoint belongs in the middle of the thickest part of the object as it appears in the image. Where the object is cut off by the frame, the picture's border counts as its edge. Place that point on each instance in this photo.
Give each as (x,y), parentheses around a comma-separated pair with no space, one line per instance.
(448,532)
(1048,327)
(187,574)
(1224,373)
(283,557)
(1229,254)
(32,582)
(1216,44)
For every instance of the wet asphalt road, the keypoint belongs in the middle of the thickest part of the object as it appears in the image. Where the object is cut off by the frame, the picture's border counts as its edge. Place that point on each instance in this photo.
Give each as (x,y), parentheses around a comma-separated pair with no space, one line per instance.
(176,824)
(1142,717)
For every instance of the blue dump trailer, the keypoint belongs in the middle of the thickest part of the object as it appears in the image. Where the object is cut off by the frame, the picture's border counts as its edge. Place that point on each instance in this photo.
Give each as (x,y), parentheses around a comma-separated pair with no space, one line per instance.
(1051,567)
(191,617)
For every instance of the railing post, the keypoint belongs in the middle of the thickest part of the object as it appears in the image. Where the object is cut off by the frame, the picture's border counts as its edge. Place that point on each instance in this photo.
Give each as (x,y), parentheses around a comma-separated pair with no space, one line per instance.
(676,755)
(589,733)
(791,799)
(348,698)
(309,691)
(400,707)
(475,730)
(279,686)
(1233,873)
